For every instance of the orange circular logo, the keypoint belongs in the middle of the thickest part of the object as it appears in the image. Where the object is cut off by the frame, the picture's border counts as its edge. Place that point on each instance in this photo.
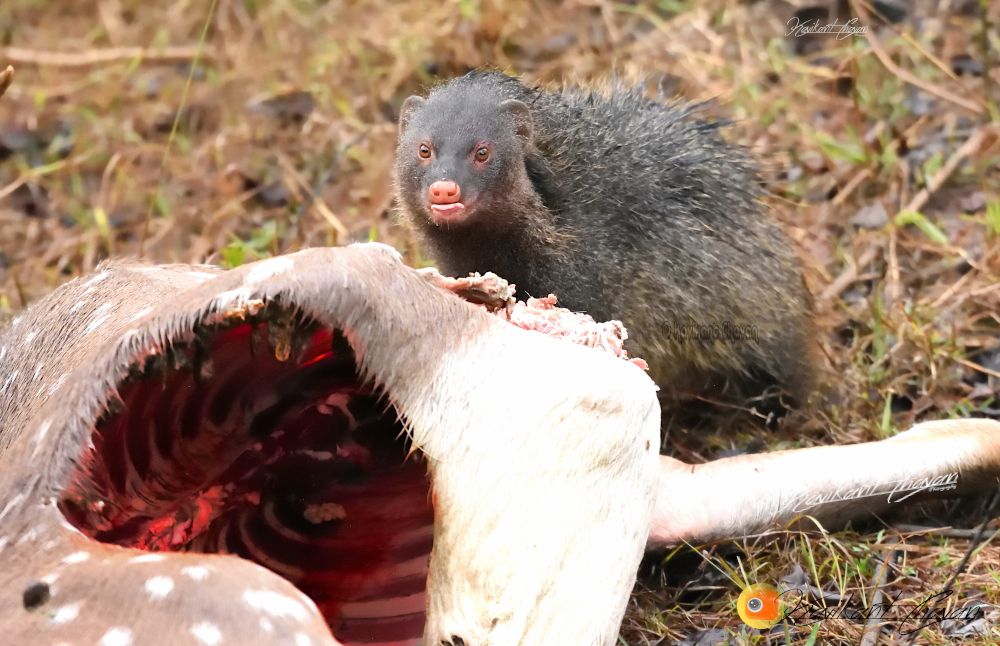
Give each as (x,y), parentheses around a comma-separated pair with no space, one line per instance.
(758,606)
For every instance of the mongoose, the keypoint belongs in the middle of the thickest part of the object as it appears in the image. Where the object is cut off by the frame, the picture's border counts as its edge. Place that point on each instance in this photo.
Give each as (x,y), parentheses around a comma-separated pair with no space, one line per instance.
(623,207)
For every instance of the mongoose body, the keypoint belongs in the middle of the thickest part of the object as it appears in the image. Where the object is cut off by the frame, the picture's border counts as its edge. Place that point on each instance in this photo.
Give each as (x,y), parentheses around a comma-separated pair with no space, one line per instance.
(625,208)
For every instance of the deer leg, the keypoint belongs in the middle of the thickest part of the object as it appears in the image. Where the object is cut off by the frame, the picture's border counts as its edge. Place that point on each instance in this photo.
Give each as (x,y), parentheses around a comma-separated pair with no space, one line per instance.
(752,493)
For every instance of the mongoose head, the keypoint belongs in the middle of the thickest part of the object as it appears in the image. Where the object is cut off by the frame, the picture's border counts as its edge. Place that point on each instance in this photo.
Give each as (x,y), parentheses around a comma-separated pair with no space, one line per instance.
(461,158)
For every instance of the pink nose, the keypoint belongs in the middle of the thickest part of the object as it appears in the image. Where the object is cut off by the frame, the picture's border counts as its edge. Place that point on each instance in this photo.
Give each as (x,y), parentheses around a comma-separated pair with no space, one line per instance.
(444,191)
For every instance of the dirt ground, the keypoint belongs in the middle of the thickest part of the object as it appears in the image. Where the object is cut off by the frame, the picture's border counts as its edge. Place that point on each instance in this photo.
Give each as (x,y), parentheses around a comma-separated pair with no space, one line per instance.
(226,131)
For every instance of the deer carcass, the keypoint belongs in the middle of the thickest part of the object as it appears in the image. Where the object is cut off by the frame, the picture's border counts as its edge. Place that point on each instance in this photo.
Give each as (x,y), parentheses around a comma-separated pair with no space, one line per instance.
(158,423)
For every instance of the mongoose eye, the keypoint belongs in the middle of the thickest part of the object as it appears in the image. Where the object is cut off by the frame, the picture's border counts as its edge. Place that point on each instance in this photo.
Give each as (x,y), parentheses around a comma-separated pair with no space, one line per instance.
(482,154)
(424,151)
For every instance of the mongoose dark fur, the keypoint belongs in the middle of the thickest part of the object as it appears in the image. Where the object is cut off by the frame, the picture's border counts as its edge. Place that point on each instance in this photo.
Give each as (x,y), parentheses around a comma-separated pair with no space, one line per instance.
(625,208)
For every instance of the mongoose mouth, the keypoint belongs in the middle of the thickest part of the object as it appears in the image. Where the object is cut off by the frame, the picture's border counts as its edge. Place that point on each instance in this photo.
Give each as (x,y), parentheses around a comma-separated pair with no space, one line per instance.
(260,440)
(450,213)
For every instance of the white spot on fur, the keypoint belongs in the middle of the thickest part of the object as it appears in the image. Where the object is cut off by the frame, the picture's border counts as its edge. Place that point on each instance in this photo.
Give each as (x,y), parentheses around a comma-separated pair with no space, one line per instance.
(13,502)
(38,370)
(3,352)
(76,557)
(99,318)
(207,633)
(138,315)
(275,604)
(29,337)
(15,322)
(49,579)
(10,380)
(266,625)
(28,536)
(77,305)
(267,268)
(159,587)
(43,430)
(117,636)
(96,278)
(147,558)
(302,640)
(3,542)
(201,275)
(57,384)
(67,613)
(196,572)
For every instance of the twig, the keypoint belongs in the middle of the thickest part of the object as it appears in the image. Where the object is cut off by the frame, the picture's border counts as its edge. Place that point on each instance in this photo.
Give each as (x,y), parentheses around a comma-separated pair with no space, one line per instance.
(312,193)
(909,40)
(196,54)
(895,289)
(946,532)
(315,201)
(850,186)
(42,171)
(906,76)
(971,145)
(952,290)
(991,509)
(987,55)
(873,626)
(848,276)
(6,77)
(608,16)
(92,57)
(19,289)
(983,291)
(979,368)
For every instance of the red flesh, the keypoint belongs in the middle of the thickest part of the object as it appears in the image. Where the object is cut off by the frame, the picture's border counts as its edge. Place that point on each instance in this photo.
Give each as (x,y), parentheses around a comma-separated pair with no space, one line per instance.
(294,464)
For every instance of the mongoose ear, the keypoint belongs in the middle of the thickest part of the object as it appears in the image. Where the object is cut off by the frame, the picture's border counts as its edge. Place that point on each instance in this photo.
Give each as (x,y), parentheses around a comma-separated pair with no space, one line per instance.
(522,117)
(410,106)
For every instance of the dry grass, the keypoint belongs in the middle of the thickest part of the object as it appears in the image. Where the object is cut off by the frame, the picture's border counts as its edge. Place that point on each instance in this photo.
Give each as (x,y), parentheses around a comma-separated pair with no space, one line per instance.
(127,132)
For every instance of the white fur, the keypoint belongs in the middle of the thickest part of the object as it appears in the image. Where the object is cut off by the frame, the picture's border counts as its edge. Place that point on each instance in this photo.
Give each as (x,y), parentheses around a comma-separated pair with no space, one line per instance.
(544,482)
(752,493)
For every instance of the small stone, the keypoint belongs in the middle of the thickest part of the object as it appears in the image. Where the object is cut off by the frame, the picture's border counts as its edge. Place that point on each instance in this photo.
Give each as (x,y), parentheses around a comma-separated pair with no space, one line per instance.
(973,202)
(892,10)
(965,65)
(872,216)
